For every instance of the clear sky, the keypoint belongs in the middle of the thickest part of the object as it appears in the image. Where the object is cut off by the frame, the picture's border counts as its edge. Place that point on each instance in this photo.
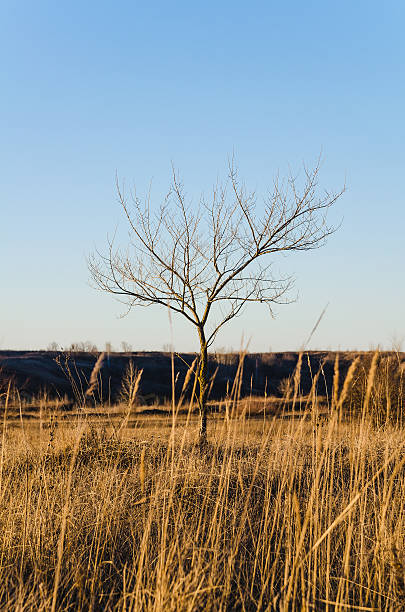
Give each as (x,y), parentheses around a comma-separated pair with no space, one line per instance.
(89,89)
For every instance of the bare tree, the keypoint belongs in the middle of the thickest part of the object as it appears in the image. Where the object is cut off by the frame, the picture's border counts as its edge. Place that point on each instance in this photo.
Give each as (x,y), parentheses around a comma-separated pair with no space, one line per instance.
(207,262)
(53,346)
(126,347)
(83,347)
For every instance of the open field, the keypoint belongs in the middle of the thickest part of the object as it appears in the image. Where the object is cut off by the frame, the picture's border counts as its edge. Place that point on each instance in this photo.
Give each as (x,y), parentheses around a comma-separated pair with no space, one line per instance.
(297,508)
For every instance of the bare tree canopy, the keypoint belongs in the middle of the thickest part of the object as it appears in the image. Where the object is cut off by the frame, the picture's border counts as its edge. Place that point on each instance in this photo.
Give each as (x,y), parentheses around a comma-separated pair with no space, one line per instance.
(214,258)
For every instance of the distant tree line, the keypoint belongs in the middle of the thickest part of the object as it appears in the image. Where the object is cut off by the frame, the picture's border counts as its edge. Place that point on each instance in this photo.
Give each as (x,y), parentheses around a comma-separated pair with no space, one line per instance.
(88,347)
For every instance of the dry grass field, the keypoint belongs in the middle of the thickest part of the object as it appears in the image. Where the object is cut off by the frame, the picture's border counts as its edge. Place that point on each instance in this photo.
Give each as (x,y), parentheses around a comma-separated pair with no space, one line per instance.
(303,508)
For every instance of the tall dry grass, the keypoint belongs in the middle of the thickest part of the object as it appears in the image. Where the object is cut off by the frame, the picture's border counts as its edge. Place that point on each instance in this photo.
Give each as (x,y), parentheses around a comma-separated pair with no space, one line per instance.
(295,513)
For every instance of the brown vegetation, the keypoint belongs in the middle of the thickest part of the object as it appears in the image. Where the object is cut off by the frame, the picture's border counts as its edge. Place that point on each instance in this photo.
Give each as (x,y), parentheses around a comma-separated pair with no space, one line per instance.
(124,511)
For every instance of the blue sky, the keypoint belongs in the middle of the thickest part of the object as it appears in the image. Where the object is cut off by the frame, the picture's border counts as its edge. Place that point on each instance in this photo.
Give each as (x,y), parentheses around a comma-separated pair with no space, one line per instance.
(91,89)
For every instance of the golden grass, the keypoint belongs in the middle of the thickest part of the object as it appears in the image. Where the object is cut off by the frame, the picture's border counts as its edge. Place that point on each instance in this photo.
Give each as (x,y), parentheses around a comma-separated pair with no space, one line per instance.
(303,513)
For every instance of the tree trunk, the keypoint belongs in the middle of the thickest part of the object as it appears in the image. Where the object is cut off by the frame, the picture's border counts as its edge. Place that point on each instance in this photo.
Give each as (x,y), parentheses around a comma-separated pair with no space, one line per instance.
(203,385)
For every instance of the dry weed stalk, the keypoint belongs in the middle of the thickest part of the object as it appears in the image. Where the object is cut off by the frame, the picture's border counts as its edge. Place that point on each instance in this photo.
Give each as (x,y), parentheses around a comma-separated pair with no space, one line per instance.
(370,382)
(93,382)
(297,379)
(142,470)
(191,371)
(129,392)
(335,390)
(130,384)
(347,383)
